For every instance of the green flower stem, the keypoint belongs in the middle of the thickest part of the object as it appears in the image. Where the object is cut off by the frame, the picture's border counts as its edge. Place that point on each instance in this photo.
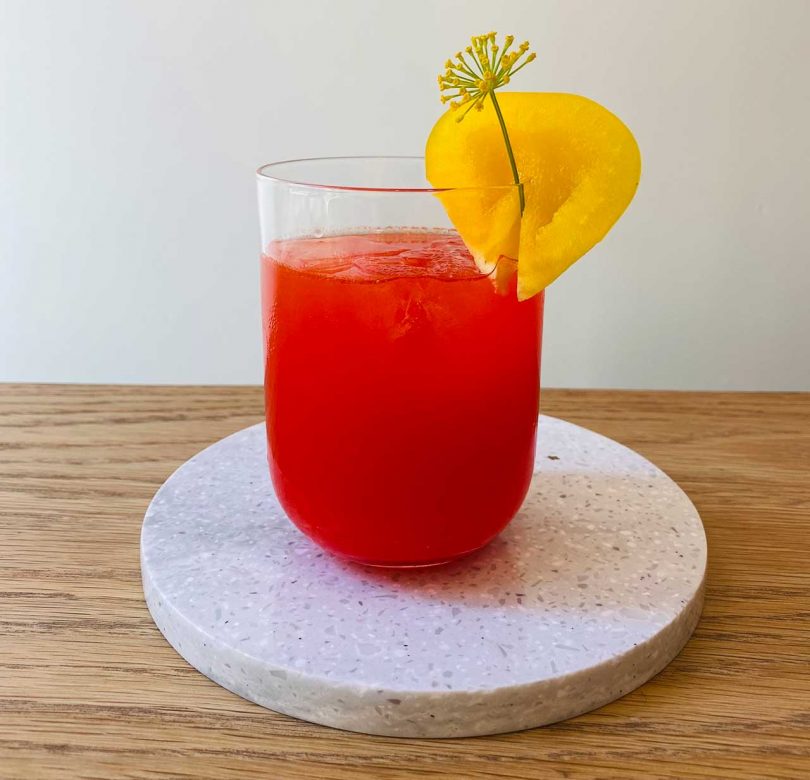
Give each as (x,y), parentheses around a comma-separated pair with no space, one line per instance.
(512,163)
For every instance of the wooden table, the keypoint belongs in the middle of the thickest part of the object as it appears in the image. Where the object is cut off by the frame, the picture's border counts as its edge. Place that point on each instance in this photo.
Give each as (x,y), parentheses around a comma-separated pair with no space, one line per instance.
(90,689)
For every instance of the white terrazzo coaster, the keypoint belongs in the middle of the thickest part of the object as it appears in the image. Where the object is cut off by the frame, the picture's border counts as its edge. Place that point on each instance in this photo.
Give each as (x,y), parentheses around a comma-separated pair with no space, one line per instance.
(592,589)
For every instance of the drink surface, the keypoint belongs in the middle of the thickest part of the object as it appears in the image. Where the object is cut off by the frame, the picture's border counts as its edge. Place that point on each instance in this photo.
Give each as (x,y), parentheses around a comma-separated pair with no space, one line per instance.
(401,392)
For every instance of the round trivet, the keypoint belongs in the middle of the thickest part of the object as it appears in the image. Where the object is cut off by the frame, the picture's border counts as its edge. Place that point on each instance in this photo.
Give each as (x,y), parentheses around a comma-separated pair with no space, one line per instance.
(591,590)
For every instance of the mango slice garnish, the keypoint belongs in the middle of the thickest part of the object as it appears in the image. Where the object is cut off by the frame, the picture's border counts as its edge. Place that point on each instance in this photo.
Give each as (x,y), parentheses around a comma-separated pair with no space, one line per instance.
(579,166)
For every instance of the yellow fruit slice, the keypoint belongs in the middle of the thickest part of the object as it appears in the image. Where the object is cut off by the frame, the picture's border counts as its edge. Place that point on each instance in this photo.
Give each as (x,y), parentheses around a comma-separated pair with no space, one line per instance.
(580,166)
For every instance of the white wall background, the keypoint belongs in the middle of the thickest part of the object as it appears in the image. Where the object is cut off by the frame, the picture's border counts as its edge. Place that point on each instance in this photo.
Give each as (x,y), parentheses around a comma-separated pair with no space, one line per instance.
(130,129)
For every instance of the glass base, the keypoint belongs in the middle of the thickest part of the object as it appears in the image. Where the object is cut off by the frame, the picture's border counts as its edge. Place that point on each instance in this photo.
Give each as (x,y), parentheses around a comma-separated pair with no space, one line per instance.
(412,564)
(428,565)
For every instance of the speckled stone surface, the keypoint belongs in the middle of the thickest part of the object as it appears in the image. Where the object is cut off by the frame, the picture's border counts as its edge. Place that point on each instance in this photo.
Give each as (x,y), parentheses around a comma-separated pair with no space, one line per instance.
(593,588)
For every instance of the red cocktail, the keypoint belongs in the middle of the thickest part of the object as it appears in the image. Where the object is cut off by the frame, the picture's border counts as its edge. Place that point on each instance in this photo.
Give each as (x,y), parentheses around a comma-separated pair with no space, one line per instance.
(401,382)
(401,392)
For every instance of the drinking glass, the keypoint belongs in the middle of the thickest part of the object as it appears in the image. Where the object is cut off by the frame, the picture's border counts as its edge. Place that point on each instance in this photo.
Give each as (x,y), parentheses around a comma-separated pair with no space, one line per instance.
(401,382)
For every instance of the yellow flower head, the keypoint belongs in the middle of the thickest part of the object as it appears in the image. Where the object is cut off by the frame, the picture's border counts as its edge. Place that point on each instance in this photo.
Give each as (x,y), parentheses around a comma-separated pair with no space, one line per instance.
(485,68)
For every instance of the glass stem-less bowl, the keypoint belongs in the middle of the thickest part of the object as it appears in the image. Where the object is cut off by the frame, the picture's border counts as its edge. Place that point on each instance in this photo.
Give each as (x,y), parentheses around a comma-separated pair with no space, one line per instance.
(401,384)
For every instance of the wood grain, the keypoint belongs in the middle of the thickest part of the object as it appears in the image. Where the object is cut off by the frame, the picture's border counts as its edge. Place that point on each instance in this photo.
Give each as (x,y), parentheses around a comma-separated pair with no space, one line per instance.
(89,688)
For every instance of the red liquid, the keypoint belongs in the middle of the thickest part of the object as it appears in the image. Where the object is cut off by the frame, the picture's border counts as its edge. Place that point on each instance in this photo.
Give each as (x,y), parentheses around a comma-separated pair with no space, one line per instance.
(401,393)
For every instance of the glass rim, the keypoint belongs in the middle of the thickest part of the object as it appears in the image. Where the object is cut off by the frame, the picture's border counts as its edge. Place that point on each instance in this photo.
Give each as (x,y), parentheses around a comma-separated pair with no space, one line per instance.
(263,174)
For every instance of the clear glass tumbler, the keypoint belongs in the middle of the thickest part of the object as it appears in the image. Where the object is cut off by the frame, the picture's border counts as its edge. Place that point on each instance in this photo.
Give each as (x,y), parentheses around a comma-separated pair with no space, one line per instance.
(401,383)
